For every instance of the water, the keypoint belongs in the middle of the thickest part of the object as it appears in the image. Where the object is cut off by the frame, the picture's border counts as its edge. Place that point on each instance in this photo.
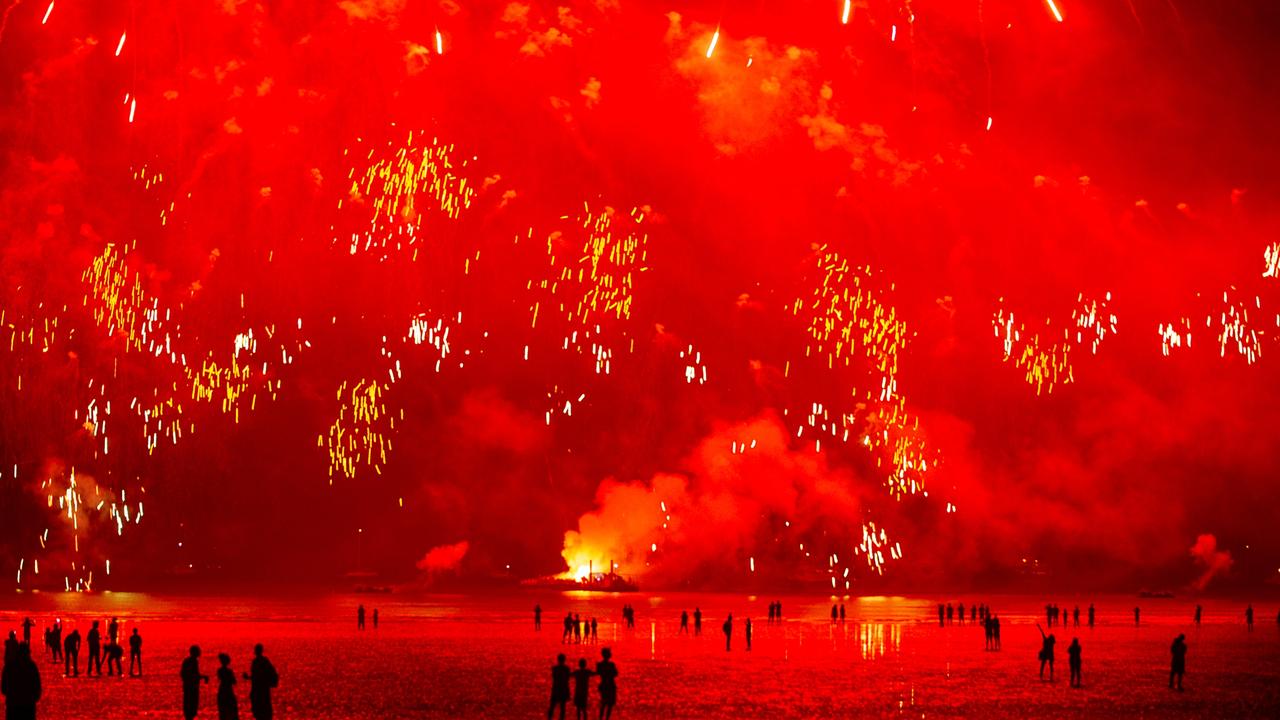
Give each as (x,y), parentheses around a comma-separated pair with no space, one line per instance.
(478,656)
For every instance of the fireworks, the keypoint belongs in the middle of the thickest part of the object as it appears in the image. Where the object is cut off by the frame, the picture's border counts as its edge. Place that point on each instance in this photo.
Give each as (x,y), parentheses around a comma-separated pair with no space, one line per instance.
(360,437)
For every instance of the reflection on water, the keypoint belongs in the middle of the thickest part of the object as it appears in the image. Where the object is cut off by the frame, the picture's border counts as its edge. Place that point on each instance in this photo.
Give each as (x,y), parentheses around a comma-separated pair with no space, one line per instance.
(876,640)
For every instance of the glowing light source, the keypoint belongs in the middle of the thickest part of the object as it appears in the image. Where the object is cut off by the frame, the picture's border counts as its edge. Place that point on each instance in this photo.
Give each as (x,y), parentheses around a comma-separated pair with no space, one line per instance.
(1053,7)
(715,38)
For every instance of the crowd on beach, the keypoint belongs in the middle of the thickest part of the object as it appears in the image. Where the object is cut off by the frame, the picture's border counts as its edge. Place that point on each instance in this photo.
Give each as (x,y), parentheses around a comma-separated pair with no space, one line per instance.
(22,688)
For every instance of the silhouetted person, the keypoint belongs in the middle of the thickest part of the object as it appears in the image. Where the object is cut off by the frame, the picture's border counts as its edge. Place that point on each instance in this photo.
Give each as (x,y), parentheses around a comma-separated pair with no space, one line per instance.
(594,637)
(608,673)
(1075,617)
(113,631)
(20,684)
(770,613)
(835,614)
(228,706)
(95,650)
(1090,614)
(55,640)
(115,660)
(577,628)
(537,617)
(1137,615)
(748,631)
(581,689)
(1179,666)
(988,632)
(568,628)
(71,654)
(995,630)
(960,612)
(942,614)
(842,613)
(262,679)
(1198,611)
(684,621)
(951,611)
(191,679)
(27,624)
(779,611)
(697,620)
(375,618)
(360,618)
(1046,652)
(1248,616)
(1048,615)
(559,687)
(728,631)
(135,652)
(1073,661)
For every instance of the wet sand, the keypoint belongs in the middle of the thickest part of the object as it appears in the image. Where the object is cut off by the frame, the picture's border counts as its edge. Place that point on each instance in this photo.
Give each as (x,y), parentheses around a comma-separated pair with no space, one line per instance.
(468,657)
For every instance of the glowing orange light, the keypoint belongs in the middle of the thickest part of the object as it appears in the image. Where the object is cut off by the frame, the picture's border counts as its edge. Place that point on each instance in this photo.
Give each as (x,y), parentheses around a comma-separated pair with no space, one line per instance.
(715,38)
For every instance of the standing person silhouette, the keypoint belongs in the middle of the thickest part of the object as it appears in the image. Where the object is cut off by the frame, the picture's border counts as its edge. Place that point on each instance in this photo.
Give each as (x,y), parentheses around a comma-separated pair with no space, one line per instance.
(835,613)
(1091,615)
(697,621)
(20,685)
(594,636)
(1046,652)
(1073,660)
(581,689)
(263,678)
(559,687)
(71,654)
(537,617)
(684,621)
(942,611)
(95,651)
(728,631)
(360,618)
(1075,617)
(135,652)
(841,613)
(770,613)
(27,624)
(55,639)
(1137,614)
(995,631)
(113,631)
(1198,611)
(568,628)
(577,628)
(228,706)
(1179,665)
(375,618)
(748,631)
(608,673)
(191,679)
(960,612)
(1248,617)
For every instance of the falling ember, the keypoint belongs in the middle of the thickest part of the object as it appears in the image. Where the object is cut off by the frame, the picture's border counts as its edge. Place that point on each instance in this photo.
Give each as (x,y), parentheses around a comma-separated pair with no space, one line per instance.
(133,107)
(715,37)
(47,13)
(844,16)
(120,45)
(1053,7)
(439,43)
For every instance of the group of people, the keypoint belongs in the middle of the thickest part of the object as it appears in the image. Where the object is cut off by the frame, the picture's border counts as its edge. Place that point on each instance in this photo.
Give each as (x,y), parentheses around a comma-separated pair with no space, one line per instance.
(360,618)
(561,674)
(1053,615)
(947,613)
(66,650)
(1177,668)
(576,630)
(262,677)
(22,687)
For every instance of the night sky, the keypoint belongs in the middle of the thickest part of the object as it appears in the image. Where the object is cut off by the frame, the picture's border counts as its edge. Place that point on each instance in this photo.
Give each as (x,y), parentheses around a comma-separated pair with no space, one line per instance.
(602,205)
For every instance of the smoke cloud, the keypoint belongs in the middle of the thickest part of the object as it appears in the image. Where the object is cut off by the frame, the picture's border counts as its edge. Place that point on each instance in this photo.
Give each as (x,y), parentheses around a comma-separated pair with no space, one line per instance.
(1214,561)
